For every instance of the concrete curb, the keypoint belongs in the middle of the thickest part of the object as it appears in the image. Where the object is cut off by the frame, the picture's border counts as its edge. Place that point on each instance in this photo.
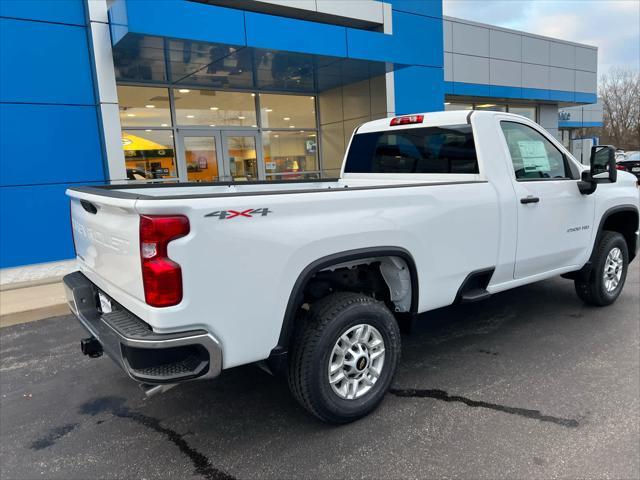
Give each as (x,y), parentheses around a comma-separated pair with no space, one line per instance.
(33,315)
(30,283)
(32,303)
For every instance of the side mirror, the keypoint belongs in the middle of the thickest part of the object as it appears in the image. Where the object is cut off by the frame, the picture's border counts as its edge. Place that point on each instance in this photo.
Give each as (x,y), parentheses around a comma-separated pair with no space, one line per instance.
(603,169)
(603,164)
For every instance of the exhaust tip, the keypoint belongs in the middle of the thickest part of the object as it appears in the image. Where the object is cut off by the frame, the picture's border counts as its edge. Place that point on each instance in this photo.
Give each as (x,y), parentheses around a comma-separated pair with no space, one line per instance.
(153,390)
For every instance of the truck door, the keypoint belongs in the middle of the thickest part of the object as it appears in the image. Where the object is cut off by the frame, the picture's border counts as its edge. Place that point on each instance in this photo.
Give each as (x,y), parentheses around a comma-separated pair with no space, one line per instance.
(555,220)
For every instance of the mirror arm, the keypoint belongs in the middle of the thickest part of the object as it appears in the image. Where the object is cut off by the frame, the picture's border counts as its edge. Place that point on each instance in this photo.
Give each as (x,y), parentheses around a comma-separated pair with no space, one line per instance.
(586,184)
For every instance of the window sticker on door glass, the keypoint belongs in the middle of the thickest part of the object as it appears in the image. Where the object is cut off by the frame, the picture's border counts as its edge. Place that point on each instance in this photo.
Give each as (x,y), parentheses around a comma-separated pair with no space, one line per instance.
(534,156)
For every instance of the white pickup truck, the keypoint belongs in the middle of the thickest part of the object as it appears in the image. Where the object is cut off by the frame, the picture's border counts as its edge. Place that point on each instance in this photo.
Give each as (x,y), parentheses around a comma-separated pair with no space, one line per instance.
(178,282)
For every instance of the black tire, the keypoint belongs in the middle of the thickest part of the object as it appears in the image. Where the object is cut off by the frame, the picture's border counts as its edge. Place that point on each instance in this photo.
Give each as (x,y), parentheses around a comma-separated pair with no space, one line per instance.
(593,290)
(312,347)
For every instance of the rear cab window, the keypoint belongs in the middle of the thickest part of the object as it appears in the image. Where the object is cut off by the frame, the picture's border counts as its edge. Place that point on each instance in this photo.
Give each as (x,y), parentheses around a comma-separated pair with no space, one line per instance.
(437,150)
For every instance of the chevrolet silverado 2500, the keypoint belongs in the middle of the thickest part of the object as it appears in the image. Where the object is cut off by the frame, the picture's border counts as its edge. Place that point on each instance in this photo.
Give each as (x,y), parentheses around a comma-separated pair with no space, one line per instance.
(178,282)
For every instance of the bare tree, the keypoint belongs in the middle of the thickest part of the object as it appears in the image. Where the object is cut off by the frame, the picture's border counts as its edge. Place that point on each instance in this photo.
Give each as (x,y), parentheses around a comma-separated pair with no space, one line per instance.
(620,94)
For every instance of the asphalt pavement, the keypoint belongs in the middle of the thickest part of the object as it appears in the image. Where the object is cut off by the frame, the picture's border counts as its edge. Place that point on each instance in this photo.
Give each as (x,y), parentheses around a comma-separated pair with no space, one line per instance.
(530,383)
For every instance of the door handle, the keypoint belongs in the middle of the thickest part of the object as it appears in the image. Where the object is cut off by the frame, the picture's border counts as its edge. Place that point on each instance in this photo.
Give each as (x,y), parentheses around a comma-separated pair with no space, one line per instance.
(529,199)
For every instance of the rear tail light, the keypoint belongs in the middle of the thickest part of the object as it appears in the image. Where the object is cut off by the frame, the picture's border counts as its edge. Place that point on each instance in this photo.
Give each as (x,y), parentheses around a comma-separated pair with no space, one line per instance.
(620,167)
(161,276)
(406,120)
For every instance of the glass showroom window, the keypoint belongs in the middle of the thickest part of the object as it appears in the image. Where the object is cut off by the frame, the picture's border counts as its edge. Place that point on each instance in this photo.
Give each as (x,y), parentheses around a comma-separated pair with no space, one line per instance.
(144,106)
(212,108)
(149,154)
(290,155)
(287,111)
(289,138)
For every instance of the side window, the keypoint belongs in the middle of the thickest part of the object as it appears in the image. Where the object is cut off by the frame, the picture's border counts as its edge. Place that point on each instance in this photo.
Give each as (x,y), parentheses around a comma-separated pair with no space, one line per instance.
(533,156)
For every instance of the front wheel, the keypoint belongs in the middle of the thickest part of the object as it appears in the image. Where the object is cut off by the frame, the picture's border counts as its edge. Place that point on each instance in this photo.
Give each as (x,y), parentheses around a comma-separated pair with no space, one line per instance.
(609,271)
(343,357)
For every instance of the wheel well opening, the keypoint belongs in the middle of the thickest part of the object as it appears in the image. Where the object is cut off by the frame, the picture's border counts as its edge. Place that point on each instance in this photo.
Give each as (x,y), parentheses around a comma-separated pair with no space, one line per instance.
(387,275)
(387,279)
(625,223)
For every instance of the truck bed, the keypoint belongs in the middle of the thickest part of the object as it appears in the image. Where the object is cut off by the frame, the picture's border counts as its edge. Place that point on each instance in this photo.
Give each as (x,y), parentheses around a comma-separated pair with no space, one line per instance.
(176,191)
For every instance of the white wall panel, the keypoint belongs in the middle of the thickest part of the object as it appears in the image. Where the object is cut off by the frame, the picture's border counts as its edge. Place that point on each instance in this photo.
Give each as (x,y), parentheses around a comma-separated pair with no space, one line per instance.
(470,40)
(535,50)
(505,45)
(367,10)
(470,69)
(535,76)
(562,55)
(448,36)
(505,73)
(448,67)
(586,82)
(110,113)
(518,59)
(548,116)
(586,59)
(387,13)
(561,79)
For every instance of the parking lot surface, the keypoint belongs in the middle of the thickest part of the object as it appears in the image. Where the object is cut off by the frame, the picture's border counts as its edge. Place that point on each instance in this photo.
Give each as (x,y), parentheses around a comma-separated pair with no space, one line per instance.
(528,384)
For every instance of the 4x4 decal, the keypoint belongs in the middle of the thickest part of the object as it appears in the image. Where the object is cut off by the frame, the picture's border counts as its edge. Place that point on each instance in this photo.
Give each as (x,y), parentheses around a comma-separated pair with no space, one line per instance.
(249,213)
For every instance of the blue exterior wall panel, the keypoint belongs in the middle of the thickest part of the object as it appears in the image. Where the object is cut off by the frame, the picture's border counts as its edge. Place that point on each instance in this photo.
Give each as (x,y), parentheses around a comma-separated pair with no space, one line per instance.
(44,63)
(49,126)
(561,96)
(568,124)
(63,146)
(585,97)
(505,92)
(419,89)
(34,221)
(416,40)
(427,8)
(184,20)
(279,33)
(56,11)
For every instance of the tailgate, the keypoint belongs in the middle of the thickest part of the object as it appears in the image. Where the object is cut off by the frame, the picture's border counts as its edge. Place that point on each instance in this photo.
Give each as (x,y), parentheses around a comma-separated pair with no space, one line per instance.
(106,238)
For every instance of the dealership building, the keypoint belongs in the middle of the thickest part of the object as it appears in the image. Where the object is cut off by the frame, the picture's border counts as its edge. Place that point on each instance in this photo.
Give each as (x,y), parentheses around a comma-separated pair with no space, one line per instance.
(239,90)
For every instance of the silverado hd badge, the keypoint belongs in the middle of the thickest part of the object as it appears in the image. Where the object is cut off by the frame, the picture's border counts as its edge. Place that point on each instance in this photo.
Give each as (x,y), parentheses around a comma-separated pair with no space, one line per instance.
(249,213)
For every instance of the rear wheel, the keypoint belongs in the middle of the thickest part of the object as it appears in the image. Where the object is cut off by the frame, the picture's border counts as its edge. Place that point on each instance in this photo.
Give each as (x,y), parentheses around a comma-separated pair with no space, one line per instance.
(609,271)
(343,357)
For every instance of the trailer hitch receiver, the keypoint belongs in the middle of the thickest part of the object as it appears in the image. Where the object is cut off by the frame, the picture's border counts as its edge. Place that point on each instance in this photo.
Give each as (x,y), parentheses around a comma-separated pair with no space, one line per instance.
(91,347)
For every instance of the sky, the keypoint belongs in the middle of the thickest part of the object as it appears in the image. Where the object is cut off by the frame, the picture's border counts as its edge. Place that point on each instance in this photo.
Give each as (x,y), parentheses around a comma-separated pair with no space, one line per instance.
(611,25)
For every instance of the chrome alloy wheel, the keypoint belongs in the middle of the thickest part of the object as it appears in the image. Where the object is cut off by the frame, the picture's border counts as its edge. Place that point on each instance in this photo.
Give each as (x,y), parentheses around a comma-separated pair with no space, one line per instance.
(356,361)
(613,269)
